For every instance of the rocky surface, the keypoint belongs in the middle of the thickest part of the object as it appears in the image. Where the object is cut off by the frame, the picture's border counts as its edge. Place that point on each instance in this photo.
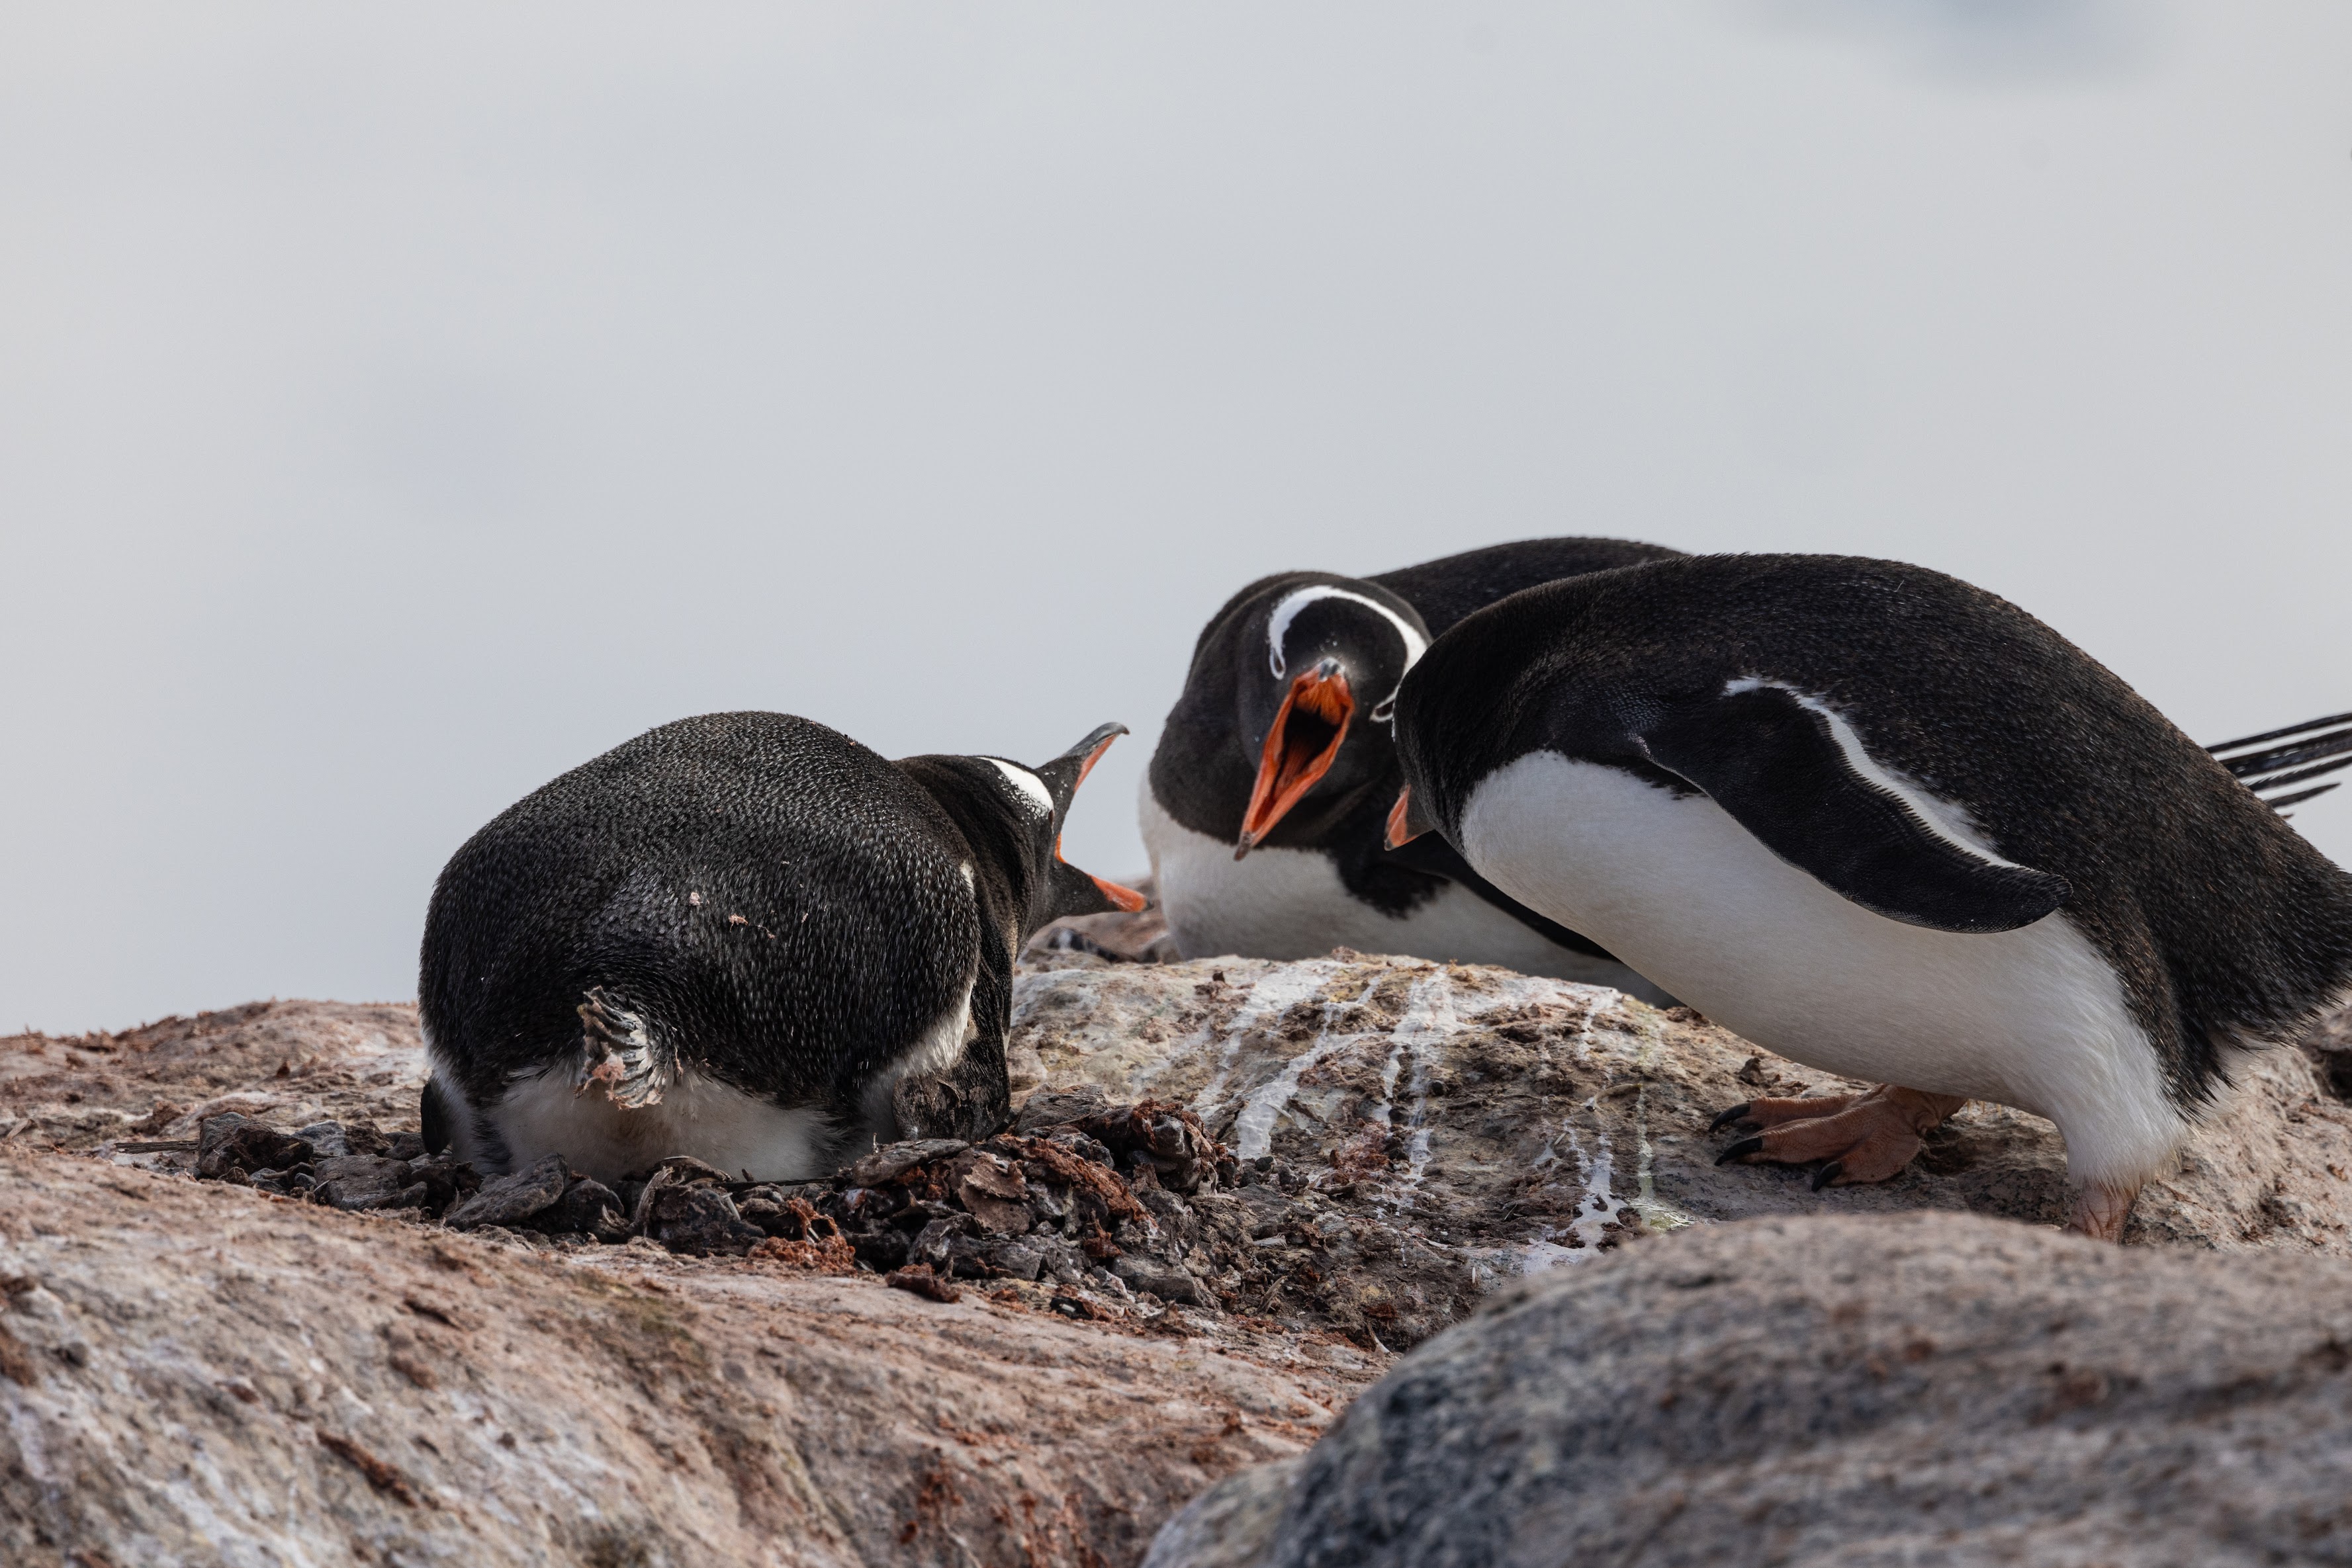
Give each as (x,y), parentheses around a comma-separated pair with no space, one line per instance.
(1912,1389)
(200,1373)
(1284,1173)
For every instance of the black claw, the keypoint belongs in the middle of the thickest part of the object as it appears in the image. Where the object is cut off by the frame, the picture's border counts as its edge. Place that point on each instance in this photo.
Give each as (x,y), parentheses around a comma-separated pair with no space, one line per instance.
(1745,1146)
(1737,1113)
(1826,1174)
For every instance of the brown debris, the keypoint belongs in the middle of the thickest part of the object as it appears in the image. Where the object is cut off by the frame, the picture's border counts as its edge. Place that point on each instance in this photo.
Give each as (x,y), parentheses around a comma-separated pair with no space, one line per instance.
(919,1281)
(380,1475)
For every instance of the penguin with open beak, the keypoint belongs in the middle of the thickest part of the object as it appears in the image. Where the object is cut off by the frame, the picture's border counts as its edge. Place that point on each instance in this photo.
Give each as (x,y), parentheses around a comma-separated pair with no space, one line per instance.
(1264,802)
(1891,827)
(747,938)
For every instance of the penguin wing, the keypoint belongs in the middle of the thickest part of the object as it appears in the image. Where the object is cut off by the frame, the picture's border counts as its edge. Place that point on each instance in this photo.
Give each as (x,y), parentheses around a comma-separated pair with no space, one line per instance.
(1778,765)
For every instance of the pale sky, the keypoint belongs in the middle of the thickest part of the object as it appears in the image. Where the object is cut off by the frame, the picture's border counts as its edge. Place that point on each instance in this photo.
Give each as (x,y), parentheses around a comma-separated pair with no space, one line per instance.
(400,406)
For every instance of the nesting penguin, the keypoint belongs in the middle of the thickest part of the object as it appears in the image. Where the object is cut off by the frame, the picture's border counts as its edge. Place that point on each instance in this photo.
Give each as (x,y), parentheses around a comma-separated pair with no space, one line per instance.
(744,937)
(1888,825)
(1264,806)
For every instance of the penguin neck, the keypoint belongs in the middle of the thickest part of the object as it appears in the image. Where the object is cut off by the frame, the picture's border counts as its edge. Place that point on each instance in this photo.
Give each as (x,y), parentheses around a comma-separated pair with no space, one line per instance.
(1005,875)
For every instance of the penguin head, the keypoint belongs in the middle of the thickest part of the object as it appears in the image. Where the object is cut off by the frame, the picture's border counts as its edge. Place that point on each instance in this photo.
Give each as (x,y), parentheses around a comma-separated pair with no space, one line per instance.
(1063,889)
(1317,689)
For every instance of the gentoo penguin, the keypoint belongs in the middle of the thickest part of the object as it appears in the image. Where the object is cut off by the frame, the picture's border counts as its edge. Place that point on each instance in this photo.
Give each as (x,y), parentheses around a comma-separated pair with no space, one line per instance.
(743,937)
(1888,825)
(1264,802)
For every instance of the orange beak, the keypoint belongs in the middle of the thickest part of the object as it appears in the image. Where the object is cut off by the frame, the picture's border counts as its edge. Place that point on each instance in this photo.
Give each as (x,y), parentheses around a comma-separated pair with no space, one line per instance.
(1299,750)
(1398,833)
(1126,898)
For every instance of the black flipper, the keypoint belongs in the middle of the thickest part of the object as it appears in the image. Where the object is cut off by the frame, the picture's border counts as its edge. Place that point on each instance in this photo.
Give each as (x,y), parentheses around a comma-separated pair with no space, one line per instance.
(1430,853)
(1777,767)
(434,1119)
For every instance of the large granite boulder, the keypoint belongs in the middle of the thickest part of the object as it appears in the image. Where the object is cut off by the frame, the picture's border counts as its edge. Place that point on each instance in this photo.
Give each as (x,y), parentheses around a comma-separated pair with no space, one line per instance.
(1928,1388)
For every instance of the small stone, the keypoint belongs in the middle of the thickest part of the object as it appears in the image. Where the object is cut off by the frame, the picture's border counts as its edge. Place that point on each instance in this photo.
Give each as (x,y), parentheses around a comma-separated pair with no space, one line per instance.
(891,1161)
(361,1181)
(698,1221)
(511,1199)
(587,1207)
(214,1128)
(1017,1259)
(1051,1108)
(326,1139)
(1168,1284)
(246,1148)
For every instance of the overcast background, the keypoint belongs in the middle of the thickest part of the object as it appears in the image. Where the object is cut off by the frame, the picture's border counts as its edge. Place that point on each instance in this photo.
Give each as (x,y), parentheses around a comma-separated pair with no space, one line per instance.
(401,404)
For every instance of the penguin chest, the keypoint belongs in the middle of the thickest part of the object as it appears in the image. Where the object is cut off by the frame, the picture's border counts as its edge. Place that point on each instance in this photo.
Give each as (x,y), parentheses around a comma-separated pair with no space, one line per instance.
(1279,903)
(2034,1018)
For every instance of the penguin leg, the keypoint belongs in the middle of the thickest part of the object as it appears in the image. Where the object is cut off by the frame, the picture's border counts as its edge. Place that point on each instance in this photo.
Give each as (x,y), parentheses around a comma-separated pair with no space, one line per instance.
(2100,1209)
(617,1051)
(1864,1138)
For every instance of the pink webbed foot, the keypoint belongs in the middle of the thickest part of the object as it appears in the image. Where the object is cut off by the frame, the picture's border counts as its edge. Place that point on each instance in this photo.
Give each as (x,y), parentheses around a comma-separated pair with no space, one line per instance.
(1860,1137)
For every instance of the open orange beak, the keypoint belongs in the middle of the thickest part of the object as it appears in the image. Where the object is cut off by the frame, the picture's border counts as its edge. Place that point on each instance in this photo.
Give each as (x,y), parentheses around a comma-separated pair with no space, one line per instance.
(1299,750)
(1125,898)
(1401,832)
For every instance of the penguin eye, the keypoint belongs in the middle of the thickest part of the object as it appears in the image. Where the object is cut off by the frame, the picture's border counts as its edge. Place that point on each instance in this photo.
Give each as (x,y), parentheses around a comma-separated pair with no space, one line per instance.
(1385,712)
(1274,661)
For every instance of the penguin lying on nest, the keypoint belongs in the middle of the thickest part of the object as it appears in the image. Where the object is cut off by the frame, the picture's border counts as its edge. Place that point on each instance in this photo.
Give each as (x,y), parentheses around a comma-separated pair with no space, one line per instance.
(1264,803)
(747,938)
(1890,826)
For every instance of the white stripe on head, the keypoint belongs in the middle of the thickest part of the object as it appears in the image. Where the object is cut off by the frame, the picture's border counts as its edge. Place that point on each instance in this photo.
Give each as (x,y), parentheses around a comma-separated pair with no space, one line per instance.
(1025,784)
(1284,613)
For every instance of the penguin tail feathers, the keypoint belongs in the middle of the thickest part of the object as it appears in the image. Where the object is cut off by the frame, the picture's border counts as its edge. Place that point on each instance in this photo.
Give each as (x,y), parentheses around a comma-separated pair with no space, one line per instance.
(619,1055)
(2272,763)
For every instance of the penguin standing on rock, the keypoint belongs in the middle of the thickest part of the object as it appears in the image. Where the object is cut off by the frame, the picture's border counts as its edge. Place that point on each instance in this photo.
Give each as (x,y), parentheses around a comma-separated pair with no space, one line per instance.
(1266,800)
(1890,826)
(747,938)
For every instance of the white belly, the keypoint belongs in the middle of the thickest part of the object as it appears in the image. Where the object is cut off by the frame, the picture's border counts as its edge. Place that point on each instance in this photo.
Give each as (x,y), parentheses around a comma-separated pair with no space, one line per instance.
(1290,903)
(745,1136)
(2032,1018)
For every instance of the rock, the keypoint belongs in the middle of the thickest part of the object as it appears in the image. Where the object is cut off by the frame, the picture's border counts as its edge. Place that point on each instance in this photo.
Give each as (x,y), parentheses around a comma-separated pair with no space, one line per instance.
(361,1181)
(891,1161)
(348,1064)
(247,1147)
(1923,1388)
(1231,1525)
(1168,1284)
(697,1220)
(1418,1137)
(992,1189)
(515,1199)
(328,1140)
(1051,1108)
(214,1129)
(587,1207)
(1517,1124)
(200,1373)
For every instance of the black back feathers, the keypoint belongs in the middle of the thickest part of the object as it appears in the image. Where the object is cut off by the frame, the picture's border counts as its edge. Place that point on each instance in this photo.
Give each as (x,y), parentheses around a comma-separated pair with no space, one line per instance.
(776,906)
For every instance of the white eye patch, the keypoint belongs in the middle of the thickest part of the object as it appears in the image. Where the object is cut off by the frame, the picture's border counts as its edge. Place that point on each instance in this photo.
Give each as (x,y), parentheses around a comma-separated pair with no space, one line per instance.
(1284,613)
(1025,784)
